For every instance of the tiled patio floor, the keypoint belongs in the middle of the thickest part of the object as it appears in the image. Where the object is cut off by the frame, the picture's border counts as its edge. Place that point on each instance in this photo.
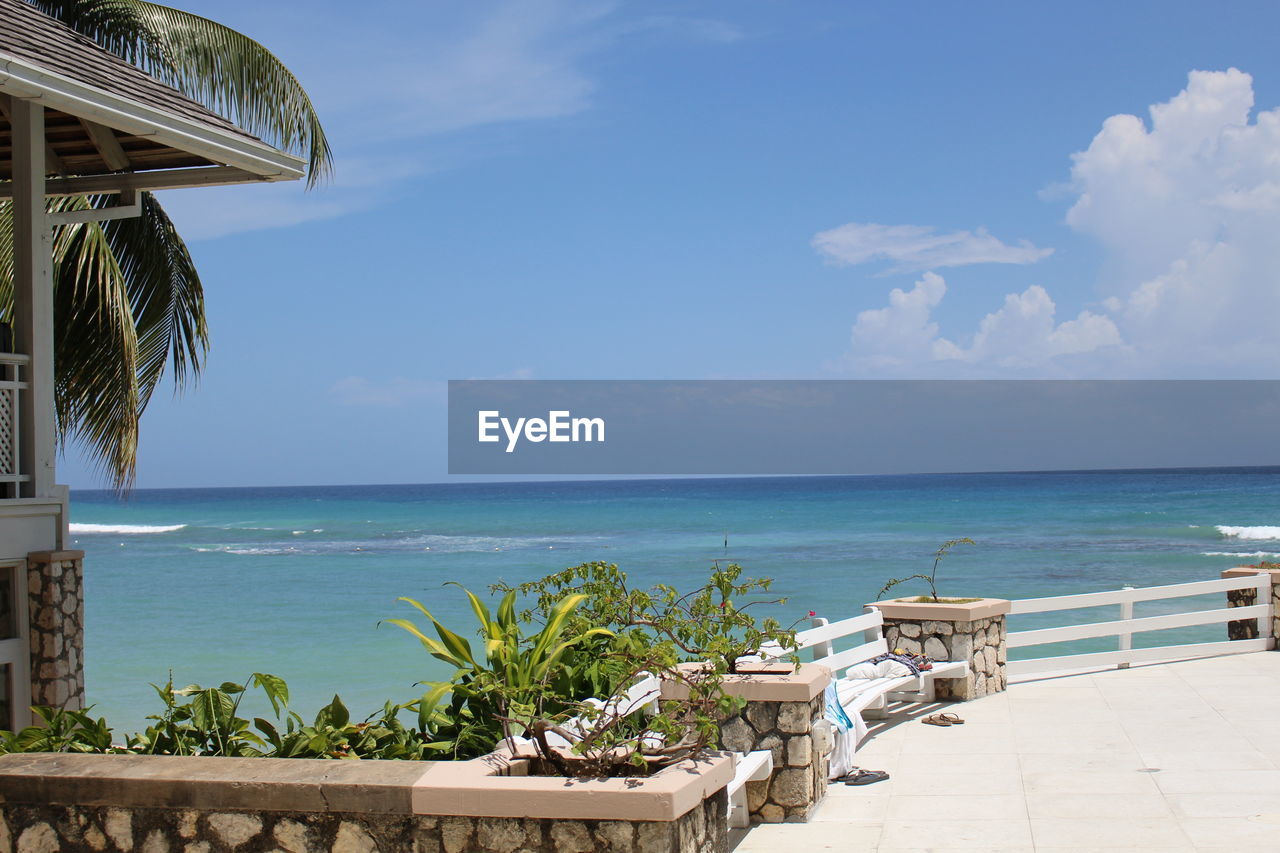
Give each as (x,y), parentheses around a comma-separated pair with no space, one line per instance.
(1179,757)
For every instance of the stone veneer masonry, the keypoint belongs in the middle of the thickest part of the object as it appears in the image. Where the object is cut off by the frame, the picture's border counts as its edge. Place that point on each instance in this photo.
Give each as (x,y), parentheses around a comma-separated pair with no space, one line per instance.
(970,632)
(785,713)
(799,779)
(59,803)
(55,600)
(1247,629)
(41,828)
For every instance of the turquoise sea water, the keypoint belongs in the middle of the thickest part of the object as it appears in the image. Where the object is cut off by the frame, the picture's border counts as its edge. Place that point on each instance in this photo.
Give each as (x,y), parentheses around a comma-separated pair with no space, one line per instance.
(214,584)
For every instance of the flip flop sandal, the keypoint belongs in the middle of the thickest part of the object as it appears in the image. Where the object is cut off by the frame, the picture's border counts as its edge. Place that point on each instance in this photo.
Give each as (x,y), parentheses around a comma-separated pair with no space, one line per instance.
(936,720)
(864,777)
(952,719)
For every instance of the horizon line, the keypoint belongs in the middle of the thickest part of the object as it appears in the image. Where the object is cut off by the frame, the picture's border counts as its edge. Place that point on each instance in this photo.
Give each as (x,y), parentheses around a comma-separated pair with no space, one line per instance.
(534,479)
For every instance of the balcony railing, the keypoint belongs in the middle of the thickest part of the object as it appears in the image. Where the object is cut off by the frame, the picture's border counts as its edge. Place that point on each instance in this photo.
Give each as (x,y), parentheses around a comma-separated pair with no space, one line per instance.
(1127,625)
(12,382)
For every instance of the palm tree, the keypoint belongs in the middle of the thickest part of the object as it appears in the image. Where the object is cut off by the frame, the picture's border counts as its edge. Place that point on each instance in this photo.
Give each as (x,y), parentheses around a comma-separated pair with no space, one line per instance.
(128,303)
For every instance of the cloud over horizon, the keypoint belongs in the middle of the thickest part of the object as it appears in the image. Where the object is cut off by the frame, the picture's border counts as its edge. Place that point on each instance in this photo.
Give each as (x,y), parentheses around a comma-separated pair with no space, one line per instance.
(1187,209)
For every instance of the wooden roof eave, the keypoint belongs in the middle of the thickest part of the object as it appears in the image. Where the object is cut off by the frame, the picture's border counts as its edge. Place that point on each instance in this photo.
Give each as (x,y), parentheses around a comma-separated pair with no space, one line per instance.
(243,159)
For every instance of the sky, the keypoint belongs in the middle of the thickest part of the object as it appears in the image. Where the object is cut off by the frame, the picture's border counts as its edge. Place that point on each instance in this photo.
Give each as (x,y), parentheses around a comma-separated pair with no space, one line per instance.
(746,189)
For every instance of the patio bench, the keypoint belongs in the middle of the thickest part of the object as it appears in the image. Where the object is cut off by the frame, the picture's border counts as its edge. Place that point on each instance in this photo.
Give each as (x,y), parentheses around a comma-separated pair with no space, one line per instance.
(829,643)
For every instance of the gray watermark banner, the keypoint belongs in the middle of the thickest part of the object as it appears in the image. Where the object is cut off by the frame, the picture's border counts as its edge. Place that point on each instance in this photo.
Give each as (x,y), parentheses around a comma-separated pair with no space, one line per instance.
(815,427)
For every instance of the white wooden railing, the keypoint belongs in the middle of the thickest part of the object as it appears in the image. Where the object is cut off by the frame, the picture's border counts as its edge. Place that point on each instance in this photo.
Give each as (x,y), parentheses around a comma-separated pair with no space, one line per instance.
(1125,627)
(12,383)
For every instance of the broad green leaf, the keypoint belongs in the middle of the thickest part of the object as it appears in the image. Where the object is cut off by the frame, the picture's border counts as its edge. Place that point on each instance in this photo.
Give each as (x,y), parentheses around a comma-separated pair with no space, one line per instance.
(334,714)
(275,688)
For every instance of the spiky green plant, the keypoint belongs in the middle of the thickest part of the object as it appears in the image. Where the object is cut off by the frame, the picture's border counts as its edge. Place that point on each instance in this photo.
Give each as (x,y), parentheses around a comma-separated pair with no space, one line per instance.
(512,677)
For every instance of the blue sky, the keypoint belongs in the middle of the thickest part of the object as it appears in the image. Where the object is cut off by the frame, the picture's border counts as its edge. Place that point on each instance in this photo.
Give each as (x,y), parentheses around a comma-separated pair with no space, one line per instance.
(740,189)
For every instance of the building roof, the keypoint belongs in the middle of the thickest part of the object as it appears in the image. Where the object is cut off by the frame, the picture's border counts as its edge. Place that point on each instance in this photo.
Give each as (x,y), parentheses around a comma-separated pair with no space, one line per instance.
(28,33)
(105,115)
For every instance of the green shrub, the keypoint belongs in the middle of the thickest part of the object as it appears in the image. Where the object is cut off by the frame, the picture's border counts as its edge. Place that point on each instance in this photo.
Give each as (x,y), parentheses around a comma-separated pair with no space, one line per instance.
(205,721)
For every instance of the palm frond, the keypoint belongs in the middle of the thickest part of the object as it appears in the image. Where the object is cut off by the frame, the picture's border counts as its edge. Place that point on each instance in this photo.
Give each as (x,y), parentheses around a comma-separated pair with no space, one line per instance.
(224,70)
(128,304)
(95,346)
(165,294)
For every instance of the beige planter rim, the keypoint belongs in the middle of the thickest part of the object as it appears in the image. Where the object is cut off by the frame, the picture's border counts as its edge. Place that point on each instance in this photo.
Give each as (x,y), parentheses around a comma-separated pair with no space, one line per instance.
(498,785)
(490,786)
(781,682)
(983,608)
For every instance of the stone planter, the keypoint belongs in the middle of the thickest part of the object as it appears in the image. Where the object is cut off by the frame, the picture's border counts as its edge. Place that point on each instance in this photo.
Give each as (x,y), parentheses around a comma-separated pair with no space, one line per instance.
(785,714)
(207,805)
(1248,629)
(973,631)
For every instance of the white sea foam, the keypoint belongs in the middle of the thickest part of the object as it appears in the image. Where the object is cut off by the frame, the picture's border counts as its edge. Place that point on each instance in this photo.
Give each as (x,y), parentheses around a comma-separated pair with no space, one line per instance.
(124,528)
(1263,532)
(245,551)
(1239,554)
(421,542)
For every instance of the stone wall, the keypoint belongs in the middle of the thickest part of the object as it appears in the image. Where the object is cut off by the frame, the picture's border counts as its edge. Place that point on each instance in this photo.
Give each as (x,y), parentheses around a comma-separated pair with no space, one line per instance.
(102,829)
(799,779)
(981,642)
(55,600)
(74,803)
(1247,629)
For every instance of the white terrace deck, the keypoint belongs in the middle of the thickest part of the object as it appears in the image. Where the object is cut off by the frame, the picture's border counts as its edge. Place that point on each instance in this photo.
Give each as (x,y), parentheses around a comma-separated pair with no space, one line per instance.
(1176,756)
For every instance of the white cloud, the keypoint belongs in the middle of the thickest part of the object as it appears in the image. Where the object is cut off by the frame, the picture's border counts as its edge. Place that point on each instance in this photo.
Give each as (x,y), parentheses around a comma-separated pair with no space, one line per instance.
(512,61)
(1022,333)
(913,248)
(204,213)
(1187,209)
(423,72)
(902,332)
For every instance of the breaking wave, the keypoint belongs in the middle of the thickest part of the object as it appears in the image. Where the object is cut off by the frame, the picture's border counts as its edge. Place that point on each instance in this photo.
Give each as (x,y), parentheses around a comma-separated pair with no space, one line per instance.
(423,543)
(126,529)
(1239,554)
(1263,532)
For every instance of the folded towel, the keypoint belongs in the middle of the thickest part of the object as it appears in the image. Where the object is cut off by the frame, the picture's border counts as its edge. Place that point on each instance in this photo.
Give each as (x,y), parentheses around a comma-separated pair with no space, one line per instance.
(846,732)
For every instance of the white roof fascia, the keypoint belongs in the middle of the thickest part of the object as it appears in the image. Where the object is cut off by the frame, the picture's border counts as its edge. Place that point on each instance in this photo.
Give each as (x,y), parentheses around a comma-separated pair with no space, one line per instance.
(22,79)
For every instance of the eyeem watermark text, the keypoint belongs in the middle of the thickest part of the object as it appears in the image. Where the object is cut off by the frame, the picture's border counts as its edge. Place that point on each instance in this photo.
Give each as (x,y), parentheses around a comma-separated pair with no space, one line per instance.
(558,426)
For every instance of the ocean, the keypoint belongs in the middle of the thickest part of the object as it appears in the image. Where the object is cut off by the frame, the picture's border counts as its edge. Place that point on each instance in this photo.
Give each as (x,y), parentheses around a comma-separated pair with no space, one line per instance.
(210,585)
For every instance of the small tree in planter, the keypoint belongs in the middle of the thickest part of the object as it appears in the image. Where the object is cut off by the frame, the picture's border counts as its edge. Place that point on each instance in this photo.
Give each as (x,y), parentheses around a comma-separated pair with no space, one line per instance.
(931,577)
(589,634)
(712,623)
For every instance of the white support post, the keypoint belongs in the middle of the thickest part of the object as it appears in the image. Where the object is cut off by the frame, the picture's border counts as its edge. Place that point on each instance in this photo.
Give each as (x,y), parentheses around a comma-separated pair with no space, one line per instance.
(871,634)
(33,296)
(820,650)
(1126,639)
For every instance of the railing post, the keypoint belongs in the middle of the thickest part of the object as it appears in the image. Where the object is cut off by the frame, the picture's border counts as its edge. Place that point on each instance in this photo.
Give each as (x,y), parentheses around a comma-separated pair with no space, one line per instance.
(871,634)
(820,650)
(1126,639)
